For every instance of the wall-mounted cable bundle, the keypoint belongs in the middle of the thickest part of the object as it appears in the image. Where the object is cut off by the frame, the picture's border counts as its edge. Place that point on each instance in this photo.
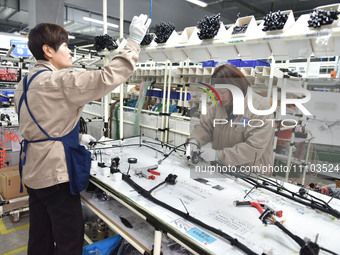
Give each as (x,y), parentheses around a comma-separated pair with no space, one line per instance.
(209,26)
(319,18)
(274,21)
(163,31)
(104,41)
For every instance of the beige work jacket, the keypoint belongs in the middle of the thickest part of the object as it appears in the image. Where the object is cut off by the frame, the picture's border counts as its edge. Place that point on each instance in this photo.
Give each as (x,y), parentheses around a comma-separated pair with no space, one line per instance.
(240,144)
(56,99)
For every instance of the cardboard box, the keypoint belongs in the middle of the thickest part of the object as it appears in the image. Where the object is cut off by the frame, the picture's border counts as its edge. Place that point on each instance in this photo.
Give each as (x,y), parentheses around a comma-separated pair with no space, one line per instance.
(10,183)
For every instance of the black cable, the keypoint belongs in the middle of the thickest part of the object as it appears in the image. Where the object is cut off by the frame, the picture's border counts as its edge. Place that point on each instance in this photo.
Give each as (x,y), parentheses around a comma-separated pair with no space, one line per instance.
(331,252)
(174,149)
(163,144)
(314,203)
(82,126)
(147,195)
(294,237)
(157,186)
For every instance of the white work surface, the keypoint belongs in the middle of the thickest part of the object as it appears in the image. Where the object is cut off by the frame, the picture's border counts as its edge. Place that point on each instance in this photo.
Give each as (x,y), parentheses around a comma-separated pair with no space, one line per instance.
(212,203)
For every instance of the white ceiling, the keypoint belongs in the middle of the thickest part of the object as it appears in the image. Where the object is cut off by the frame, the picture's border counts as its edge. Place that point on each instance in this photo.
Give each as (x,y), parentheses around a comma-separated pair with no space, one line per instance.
(14,13)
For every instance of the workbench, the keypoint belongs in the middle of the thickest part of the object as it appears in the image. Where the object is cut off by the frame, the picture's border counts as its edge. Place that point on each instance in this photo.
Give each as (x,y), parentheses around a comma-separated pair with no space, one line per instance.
(211,200)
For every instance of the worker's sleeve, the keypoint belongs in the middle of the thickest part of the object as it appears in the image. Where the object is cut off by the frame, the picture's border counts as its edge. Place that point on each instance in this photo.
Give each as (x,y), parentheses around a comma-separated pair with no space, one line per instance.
(85,86)
(256,140)
(204,130)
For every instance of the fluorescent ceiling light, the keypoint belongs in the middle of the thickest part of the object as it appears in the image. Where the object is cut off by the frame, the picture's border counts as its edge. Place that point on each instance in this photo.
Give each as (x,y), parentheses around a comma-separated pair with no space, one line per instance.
(100,22)
(71,37)
(198,2)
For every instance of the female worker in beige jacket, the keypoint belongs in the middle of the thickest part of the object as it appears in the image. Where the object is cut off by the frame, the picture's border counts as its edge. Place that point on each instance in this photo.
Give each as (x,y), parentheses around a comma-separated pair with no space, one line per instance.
(237,139)
(50,104)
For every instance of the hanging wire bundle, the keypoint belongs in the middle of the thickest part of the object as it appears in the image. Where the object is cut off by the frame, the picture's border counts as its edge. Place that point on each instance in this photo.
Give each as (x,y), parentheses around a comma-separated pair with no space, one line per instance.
(209,26)
(321,17)
(274,21)
(147,39)
(163,31)
(104,41)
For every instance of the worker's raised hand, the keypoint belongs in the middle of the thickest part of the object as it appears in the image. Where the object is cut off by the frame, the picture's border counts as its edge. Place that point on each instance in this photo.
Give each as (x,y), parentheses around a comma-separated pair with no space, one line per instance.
(192,150)
(138,27)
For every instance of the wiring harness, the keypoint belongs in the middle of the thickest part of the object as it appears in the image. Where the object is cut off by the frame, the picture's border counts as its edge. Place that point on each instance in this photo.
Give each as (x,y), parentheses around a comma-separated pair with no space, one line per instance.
(307,247)
(267,216)
(209,26)
(104,41)
(319,18)
(163,31)
(274,21)
(147,39)
(171,179)
(302,198)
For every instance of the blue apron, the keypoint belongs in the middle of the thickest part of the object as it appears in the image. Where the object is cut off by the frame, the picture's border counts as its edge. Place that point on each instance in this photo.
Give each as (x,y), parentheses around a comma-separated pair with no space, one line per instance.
(78,159)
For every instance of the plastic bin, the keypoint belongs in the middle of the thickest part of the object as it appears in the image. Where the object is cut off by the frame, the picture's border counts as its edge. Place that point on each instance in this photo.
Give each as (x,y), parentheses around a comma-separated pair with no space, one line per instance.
(235,62)
(253,63)
(4,99)
(102,247)
(209,63)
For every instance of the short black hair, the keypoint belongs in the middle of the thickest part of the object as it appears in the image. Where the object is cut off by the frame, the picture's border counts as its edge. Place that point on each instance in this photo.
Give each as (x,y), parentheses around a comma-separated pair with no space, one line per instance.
(45,33)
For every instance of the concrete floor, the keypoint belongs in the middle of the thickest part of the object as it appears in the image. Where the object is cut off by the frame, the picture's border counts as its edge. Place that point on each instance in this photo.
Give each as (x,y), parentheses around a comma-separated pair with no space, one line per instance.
(14,236)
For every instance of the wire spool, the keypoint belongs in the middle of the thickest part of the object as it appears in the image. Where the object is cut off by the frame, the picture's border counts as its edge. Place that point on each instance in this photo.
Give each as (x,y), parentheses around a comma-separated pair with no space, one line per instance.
(209,26)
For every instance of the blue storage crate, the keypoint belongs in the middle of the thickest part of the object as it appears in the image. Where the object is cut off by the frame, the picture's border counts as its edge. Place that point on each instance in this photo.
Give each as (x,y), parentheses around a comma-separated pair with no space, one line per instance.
(4,99)
(253,63)
(104,246)
(235,62)
(209,63)
(188,96)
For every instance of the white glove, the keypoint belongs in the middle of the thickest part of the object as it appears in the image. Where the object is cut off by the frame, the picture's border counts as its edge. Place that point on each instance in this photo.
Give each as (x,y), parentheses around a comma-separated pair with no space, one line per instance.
(138,27)
(208,154)
(86,139)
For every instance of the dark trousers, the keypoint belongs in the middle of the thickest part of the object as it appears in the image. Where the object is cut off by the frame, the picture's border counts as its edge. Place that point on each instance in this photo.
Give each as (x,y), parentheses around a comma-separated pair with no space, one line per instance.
(56,221)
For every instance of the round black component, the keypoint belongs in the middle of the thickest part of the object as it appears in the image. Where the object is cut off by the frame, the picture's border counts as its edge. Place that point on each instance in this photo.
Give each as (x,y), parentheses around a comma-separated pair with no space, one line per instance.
(302,191)
(132,160)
